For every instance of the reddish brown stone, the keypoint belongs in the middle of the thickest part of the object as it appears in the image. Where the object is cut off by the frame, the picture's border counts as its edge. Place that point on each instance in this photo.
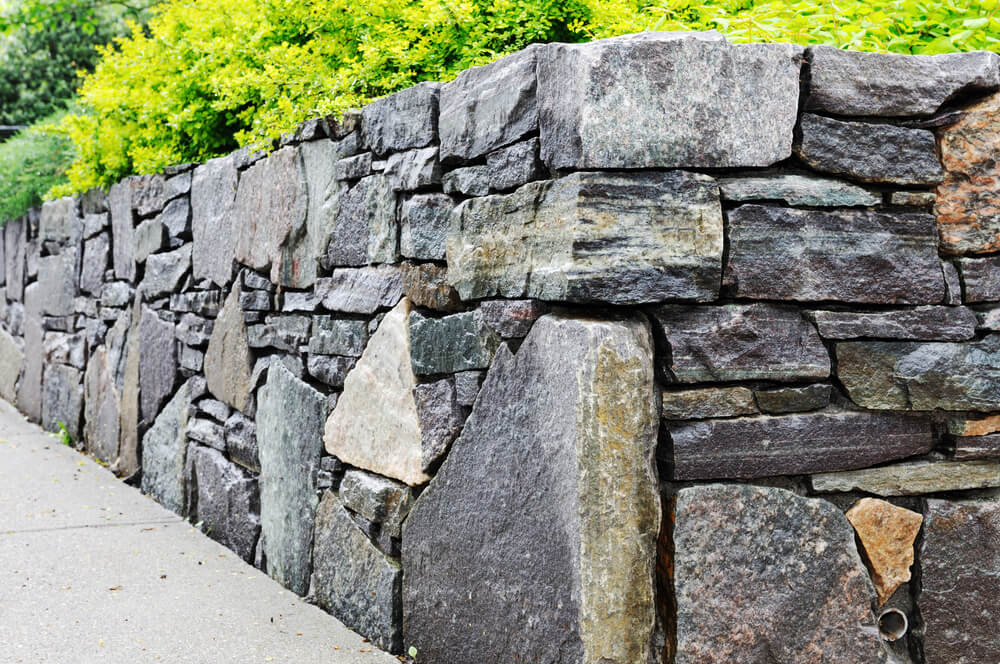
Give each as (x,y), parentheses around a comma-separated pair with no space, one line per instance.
(887,533)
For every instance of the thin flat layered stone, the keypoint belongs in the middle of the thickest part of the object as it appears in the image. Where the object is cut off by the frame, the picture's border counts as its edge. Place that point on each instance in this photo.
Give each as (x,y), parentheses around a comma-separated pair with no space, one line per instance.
(920,323)
(708,402)
(912,478)
(796,189)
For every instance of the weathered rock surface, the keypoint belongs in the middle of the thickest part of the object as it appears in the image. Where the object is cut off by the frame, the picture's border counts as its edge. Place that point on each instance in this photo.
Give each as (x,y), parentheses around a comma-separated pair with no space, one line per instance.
(922,376)
(213,194)
(227,361)
(62,399)
(290,417)
(354,168)
(164,453)
(361,291)
(740,342)
(554,240)
(29,389)
(459,342)
(95,262)
(164,272)
(891,85)
(488,107)
(796,190)
(440,417)
(59,223)
(922,199)
(122,229)
(241,441)
(150,236)
(511,319)
(809,255)
(366,228)
(869,152)
(413,170)
(402,121)
(378,499)
(62,348)
(301,260)
(157,364)
(513,166)
(208,433)
(424,221)
(224,499)
(793,399)
(101,421)
(920,323)
(802,594)
(15,238)
(960,578)
(674,85)
(426,284)
(708,402)
(328,369)
(338,336)
(793,444)
(57,279)
(913,478)
(468,181)
(980,279)
(11,360)
(887,533)
(355,581)
(557,521)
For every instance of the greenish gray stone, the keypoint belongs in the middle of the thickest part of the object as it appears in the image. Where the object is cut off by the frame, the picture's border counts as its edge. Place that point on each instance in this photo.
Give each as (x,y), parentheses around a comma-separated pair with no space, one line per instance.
(29,388)
(793,399)
(513,166)
(922,376)
(290,420)
(402,121)
(920,323)
(355,581)
(554,241)
(796,190)
(338,336)
(302,257)
(413,170)
(164,453)
(366,228)
(459,342)
(912,478)
(122,228)
(708,402)
(424,221)
(761,574)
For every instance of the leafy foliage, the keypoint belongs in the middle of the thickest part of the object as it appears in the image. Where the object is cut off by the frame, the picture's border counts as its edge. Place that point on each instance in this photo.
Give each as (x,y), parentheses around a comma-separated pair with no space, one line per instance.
(205,77)
(31,163)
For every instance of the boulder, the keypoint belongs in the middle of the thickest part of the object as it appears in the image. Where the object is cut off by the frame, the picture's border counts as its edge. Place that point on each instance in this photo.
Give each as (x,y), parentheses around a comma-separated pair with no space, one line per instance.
(164,453)
(213,194)
(572,420)
(664,241)
(224,499)
(849,256)
(228,362)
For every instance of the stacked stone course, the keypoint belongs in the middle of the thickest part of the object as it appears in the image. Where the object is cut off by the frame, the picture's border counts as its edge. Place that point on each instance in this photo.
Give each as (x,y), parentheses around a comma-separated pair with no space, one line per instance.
(580,357)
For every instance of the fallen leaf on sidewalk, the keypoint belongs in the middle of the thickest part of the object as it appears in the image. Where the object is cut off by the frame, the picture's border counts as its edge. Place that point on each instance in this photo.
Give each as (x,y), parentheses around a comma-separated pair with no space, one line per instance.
(115,588)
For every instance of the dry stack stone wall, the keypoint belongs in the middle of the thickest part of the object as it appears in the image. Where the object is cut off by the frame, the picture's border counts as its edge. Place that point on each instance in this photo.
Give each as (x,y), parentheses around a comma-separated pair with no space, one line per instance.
(655,349)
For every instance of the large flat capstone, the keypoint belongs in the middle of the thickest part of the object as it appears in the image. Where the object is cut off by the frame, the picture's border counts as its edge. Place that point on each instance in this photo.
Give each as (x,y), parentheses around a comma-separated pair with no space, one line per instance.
(664,100)
(559,565)
(556,240)
(763,575)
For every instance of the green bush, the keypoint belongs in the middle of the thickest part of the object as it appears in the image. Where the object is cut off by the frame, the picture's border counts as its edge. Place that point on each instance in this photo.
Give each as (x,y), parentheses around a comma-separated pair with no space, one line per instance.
(31,163)
(205,77)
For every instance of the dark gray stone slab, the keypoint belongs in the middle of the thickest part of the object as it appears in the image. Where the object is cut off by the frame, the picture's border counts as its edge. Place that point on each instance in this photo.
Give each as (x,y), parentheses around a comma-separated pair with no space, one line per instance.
(62,399)
(29,389)
(692,100)
(213,194)
(508,589)
(96,252)
(740,342)
(201,303)
(793,399)
(57,278)
(802,593)
(14,260)
(402,121)
(164,453)
(796,189)
(414,169)
(157,363)
(912,478)
(980,278)
(468,181)
(354,168)
(441,418)
(290,420)
(102,415)
(869,152)
(891,85)
(224,499)
(850,256)
(329,369)
(378,499)
(513,166)
(953,284)
(960,581)
(353,580)
(663,242)
(745,448)
(165,272)
(977,447)
(424,221)
(512,319)
(922,376)
(366,228)
(708,402)
(122,229)
(459,342)
(338,336)
(920,323)
(488,107)
(241,441)
(176,219)
(150,236)
(361,291)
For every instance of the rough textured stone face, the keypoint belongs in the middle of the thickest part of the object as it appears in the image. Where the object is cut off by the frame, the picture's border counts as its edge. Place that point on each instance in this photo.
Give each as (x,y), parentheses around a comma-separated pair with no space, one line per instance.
(241,441)
(796,190)
(57,281)
(708,402)
(378,499)
(887,533)
(890,85)
(459,342)
(157,364)
(793,399)
(150,237)
(555,240)
(412,170)
(513,166)
(793,444)
(740,342)
(59,223)
(424,222)
(801,595)
(334,336)
(426,284)
(673,85)
(966,201)
(913,478)
(960,577)
(225,499)
(366,228)
(361,291)
(122,228)
(164,453)
(468,181)
(213,193)
(980,279)
(355,581)
(560,565)
(299,264)
(227,361)
(29,389)
(11,359)
(488,107)
(850,256)
(290,417)
(440,418)
(94,264)
(920,323)
(14,233)
(402,121)
(375,424)
(62,399)
(164,272)
(869,152)
(101,421)
(922,376)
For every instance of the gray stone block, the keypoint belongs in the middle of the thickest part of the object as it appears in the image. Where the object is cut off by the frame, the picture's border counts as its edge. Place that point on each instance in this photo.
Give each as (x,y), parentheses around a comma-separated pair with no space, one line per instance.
(459,342)
(796,189)
(426,284)
(96,252)
(980,278)
(920,323)
(224,499)
(62,399)
(338,336)
(467,181)
(228,361)
(241,441)
(513,166)
(213,194)
(208,433)
(378,499)
(414,169)
(402,121)
(361,291)
(329,369)
(165,272)
(441,419)
(157,364)
(424,221)
(122,229)
(150,237)
(707,402)
(164,454)
(366,228)
(793,399)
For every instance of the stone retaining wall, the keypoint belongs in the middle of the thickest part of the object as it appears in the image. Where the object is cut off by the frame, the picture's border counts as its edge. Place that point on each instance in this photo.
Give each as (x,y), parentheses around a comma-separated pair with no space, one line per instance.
(655,349)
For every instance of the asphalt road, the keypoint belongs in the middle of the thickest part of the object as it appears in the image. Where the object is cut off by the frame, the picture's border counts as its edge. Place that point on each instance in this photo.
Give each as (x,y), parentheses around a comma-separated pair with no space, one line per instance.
(93,571)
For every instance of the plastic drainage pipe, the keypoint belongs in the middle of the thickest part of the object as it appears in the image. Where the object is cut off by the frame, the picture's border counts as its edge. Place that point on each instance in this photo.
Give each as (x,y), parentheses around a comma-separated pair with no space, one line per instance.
(892,624)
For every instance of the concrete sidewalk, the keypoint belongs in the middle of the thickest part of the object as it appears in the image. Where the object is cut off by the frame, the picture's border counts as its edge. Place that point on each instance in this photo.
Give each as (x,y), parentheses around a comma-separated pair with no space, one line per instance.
(93,571)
